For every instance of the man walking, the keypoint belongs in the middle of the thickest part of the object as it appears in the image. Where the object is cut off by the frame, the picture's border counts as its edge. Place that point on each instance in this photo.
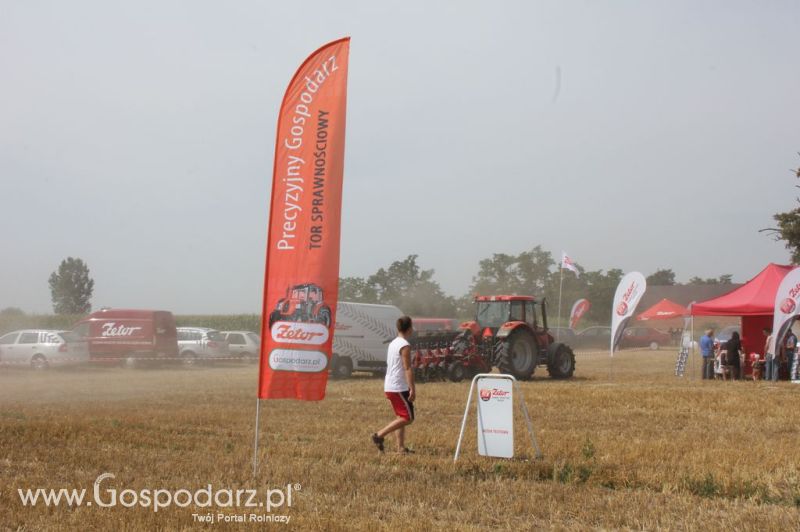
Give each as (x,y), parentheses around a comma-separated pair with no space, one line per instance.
(707,350)
(399,386)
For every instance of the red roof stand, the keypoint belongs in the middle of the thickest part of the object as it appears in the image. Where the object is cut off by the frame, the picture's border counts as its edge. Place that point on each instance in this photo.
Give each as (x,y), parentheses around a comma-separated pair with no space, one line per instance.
(754,302)
(664,310)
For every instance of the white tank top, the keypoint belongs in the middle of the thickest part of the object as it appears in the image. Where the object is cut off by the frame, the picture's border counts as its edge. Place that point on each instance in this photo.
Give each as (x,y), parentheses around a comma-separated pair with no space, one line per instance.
(395,374)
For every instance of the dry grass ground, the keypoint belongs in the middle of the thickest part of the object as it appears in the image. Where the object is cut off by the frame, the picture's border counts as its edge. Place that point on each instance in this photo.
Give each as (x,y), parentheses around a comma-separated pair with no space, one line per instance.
(639,450)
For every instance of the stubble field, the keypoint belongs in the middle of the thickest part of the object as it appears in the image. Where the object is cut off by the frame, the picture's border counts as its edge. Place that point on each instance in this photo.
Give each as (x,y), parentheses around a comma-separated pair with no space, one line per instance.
(631,448)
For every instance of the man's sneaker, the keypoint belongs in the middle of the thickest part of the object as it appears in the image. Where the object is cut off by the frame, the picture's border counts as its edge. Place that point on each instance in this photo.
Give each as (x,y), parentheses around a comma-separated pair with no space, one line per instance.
(406,450)
(378,441)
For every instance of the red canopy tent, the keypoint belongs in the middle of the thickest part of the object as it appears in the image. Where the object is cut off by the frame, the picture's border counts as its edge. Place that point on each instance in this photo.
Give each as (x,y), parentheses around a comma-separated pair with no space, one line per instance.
(664,310)
(754,302)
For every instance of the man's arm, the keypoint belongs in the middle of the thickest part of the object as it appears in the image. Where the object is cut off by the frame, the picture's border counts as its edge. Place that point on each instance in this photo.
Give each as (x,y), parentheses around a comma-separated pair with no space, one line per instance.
(405,354)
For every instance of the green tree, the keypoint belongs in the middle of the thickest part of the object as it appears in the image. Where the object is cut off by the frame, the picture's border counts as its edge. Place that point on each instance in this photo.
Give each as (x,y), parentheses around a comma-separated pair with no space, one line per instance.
(600,288)
(356,289)
(662,277)
(71,287)
(788,228)
(528,273)
(406,285)
(722,279)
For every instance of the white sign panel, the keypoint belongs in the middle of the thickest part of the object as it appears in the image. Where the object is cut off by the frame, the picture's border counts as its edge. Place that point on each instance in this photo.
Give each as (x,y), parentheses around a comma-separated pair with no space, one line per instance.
(495,417)
(787,307)
(629,292)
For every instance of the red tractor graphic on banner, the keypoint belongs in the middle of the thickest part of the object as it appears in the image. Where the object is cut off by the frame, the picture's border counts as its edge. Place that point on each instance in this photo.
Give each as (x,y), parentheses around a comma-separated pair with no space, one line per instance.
(303,303)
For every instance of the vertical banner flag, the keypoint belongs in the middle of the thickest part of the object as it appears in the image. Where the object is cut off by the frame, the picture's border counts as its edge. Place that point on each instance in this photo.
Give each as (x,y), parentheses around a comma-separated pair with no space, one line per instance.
(301,280)
(579,309)
(567,263)
(787,307)
(629,292)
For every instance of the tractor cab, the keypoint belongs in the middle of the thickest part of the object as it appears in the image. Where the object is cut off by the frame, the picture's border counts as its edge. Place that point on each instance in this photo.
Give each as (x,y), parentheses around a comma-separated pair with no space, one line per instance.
(494,312)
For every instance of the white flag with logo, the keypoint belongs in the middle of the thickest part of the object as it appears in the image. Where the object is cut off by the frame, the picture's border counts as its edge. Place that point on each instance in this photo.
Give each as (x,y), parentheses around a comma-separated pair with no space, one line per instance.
(629,292)
(567,263)
(787,307)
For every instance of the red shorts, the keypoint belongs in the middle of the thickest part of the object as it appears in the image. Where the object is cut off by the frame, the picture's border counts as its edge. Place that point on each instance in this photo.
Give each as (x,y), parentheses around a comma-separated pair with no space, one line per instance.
(402,406)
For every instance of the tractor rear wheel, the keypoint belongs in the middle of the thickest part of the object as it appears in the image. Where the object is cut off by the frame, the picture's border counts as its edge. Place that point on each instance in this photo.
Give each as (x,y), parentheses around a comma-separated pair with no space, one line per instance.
(517,355)
(561,363)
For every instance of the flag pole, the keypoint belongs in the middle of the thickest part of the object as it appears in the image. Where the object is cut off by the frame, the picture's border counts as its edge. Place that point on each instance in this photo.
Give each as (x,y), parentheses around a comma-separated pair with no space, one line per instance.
(691,345)
(560,286)
(611,361)
(255,444)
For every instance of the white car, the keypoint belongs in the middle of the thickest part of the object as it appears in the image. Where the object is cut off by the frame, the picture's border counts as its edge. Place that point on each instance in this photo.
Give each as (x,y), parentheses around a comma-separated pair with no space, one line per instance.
(245,344)
(201,344)
(41,349)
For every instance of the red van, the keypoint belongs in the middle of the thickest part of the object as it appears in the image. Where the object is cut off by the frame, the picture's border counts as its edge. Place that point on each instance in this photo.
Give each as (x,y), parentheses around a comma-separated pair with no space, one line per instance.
(125,333)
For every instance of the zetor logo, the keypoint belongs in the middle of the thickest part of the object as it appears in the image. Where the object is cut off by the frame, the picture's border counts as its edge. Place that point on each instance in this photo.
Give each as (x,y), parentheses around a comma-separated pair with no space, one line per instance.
(112,329)
(488,393)
(622,308)
(299,333)
(788,305)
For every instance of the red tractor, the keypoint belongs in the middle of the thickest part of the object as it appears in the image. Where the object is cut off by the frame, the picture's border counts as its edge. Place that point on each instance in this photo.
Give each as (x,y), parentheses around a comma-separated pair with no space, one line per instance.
(510,333)
(303,303)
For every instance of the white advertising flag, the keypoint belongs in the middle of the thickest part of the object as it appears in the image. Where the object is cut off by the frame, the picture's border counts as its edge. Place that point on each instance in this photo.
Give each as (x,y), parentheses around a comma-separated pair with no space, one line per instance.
(495,417)
(567,263)
(787,308)
(629,292)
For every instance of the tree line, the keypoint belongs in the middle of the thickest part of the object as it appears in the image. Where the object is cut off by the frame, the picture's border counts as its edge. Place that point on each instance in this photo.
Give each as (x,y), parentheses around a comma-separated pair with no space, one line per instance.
(407,285)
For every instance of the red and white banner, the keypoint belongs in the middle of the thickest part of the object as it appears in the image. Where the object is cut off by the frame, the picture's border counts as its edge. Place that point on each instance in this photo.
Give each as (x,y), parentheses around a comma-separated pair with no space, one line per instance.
(629,292)
(302,271)
(567,263)
(787,308)
(579,309)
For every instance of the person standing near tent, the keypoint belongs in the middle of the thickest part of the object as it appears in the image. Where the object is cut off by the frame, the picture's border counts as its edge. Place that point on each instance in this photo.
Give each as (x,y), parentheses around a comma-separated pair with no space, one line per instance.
(399,386)
(790,350)
(707,350)
(773,363)
(733,346)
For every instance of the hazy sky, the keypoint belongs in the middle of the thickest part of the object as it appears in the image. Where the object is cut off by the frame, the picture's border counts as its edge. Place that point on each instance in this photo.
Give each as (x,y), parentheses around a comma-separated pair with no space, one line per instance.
(139,136)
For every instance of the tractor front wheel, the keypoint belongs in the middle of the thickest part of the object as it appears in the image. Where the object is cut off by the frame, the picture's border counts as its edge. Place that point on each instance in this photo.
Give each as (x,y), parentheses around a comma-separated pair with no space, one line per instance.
(561,362)
(456,371)
(274,316)
(324,317)
(517,356)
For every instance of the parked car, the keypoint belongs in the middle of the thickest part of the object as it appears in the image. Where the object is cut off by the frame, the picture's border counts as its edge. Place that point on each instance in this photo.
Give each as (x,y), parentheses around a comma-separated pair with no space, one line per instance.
(594,338)
(644,337)
(565,335)
(127,334)
(40,349)
(200,344)
(243,344)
